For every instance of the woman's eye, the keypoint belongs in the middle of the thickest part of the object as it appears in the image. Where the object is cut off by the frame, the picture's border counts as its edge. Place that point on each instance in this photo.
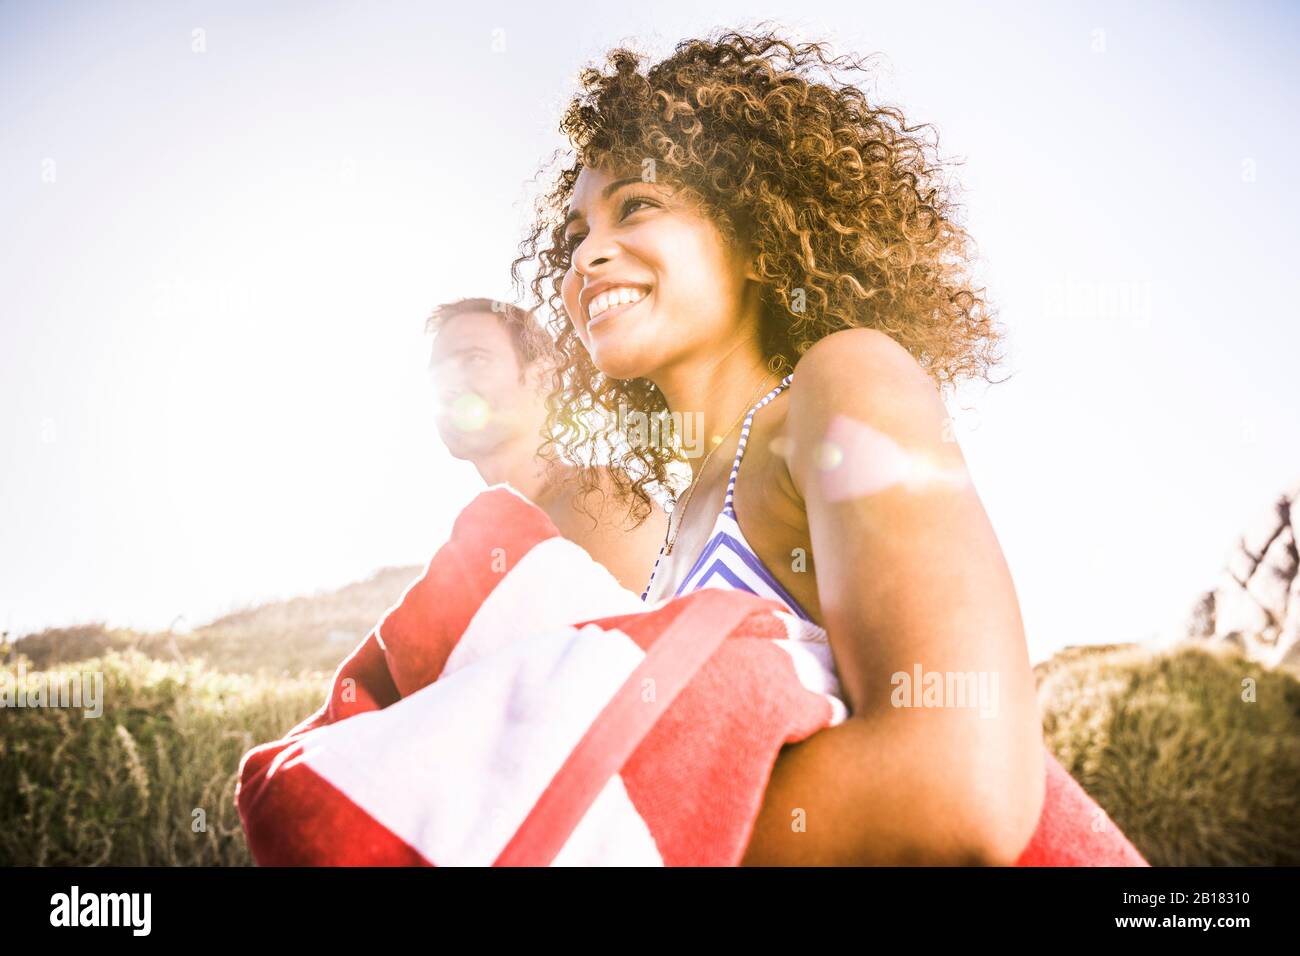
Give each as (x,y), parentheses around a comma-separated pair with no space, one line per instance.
(571,242)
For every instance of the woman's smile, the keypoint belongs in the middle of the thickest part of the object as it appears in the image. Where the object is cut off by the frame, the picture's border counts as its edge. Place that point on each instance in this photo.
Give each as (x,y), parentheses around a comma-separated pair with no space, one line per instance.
(617,310)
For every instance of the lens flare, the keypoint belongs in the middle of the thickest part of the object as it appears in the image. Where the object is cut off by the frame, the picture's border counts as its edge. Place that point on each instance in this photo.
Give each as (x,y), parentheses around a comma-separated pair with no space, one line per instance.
(468,413)
(856,461)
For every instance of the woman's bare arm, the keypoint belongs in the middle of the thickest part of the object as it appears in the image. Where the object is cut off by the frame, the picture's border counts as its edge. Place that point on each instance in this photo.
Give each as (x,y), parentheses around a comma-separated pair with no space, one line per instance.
(911,580)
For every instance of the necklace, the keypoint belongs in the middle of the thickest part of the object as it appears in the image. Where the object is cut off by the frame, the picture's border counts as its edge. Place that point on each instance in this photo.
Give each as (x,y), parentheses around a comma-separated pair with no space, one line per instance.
(668,543)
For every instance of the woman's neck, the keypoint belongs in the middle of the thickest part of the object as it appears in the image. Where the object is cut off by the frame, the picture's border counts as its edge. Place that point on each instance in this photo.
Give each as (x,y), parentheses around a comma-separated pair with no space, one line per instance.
(708,398)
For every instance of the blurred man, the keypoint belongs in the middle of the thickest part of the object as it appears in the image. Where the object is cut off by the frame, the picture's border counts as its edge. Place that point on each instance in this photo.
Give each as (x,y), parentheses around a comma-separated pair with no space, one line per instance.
(492,365)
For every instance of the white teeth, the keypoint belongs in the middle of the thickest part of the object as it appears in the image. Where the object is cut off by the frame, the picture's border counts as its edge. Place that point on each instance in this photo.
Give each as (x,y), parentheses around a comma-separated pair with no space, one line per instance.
(613,297)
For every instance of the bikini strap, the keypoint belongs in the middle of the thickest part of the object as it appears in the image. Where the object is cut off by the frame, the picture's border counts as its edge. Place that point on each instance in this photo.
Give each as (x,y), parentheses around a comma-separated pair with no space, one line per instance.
(727,507)
(735,468)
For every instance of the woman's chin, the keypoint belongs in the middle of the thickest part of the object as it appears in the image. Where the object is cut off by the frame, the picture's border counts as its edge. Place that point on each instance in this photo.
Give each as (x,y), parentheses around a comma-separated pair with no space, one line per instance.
(618,362)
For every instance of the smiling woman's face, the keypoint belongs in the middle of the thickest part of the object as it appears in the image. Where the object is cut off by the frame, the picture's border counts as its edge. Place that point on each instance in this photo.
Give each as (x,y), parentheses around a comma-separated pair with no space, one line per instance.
(642,236)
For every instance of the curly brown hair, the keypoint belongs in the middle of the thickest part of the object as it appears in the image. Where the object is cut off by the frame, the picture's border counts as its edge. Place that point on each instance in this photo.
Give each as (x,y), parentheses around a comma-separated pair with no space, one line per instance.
(844,205)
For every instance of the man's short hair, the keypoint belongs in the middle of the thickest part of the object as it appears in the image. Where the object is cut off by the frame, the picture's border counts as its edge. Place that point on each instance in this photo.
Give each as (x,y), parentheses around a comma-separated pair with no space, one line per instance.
(529,339)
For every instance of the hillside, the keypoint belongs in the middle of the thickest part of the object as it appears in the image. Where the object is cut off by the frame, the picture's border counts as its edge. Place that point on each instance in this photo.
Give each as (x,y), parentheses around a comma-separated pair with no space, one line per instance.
(1193,750)
(303,634)
(1193,771)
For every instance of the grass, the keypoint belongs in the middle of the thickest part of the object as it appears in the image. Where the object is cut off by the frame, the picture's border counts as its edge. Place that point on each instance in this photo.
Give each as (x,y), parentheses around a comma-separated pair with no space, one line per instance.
(1195,753)
(1188,768)
(151,781)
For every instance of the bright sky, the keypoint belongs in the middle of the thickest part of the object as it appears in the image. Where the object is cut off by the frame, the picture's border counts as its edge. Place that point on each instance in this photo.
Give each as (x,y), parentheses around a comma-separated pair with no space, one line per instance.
(220,248)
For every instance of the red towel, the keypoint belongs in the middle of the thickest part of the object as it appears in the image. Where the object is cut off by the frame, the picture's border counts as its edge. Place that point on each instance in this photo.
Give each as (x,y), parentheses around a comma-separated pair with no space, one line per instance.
(517,706)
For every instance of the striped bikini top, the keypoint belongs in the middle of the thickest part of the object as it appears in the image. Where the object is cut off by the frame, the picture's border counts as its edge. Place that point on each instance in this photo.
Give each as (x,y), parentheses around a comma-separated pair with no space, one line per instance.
(727,560)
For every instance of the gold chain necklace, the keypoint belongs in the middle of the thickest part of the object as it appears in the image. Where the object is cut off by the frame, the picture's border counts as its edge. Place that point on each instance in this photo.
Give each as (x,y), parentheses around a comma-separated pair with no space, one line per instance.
(668,544)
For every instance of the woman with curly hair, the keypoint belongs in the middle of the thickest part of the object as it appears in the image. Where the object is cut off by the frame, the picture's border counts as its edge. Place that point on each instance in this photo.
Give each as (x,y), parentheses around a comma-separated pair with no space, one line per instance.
(744,241)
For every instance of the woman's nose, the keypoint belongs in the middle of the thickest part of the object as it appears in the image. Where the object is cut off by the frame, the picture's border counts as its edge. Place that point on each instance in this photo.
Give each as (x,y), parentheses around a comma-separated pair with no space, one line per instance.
(594,250)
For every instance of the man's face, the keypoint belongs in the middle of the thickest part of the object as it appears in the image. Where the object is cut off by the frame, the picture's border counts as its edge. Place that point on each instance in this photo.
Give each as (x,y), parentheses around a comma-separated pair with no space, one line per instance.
(481,401)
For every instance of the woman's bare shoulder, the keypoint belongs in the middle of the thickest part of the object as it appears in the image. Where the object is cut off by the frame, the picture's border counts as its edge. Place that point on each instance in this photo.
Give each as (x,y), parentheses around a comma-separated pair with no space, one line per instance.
(849,353)
(855,378)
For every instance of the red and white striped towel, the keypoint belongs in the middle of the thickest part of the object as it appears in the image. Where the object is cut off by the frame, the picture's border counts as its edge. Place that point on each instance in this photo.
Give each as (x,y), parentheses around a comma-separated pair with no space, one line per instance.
(517,706)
